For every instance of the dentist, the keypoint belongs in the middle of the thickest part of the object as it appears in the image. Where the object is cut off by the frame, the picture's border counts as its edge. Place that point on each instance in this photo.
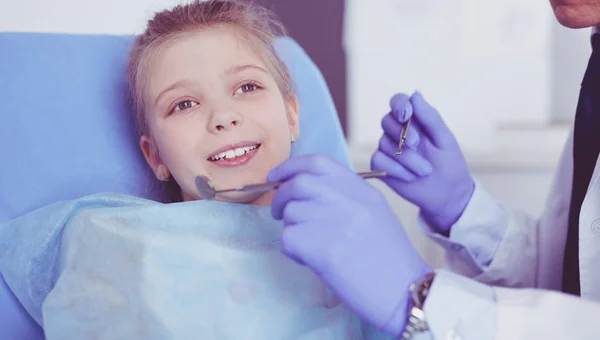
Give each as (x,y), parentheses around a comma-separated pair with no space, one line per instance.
(509,276)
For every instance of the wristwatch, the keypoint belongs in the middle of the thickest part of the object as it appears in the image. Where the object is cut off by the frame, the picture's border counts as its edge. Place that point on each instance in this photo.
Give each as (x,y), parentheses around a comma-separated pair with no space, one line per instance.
(416,318)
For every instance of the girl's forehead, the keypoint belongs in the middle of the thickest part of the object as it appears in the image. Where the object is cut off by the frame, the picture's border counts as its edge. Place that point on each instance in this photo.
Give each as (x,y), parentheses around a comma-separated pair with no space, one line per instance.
(219,46)
(206,52)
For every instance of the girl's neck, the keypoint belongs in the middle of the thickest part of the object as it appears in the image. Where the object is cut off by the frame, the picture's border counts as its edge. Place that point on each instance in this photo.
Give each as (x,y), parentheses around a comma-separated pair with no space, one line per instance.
(263,200)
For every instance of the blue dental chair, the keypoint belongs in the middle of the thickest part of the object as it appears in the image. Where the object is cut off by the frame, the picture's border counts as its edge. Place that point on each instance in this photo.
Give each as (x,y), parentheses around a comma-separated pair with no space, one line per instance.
(66,129)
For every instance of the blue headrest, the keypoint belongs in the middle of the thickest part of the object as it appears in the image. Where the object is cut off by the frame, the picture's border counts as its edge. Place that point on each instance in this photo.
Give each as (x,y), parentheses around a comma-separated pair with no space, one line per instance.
(67,130)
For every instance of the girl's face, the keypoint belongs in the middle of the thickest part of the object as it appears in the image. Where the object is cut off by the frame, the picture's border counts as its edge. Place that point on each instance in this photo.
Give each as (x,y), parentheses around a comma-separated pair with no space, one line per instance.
(214,109)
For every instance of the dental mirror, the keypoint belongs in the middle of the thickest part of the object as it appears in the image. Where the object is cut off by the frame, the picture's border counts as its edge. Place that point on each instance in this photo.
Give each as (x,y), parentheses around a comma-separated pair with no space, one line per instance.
(207,191)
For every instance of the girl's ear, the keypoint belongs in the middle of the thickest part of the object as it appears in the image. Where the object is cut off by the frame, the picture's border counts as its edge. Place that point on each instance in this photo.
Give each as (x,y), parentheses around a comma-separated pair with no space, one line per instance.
(293,115)
(150,151)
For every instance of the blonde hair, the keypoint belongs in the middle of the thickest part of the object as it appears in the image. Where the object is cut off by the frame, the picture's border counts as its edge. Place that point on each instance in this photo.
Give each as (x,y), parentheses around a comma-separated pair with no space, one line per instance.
(257,25)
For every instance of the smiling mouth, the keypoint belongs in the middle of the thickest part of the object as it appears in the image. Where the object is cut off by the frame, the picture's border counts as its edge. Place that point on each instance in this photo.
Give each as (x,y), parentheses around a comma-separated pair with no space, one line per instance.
(234,153)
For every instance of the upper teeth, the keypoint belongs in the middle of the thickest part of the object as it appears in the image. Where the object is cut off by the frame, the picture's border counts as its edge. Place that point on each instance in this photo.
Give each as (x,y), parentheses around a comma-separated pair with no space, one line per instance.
(233,153)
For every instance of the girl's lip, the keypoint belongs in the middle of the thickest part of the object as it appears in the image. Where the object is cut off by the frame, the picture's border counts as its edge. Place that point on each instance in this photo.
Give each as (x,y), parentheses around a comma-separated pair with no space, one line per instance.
(236,161)
(232,147)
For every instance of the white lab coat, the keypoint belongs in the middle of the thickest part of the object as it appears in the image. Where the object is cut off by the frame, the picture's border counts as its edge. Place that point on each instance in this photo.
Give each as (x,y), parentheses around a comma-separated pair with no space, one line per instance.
(529,255)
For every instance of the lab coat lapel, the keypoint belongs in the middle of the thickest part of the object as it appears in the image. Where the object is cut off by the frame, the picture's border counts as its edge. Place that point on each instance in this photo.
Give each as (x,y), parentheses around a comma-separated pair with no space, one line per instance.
(589,239)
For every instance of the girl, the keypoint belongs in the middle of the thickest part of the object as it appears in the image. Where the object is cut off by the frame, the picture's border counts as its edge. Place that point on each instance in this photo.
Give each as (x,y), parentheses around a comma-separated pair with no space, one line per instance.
(211,98)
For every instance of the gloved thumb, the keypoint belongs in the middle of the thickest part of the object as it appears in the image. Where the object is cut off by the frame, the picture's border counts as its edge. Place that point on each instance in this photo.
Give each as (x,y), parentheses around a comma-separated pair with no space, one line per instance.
(401,107)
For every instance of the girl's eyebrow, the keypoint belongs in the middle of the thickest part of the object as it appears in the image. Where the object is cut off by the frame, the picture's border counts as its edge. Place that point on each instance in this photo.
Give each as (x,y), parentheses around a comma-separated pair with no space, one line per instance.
(239,68)
(174,86)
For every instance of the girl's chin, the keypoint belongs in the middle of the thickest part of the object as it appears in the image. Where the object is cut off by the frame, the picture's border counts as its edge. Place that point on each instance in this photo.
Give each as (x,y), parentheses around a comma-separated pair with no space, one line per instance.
(254,198)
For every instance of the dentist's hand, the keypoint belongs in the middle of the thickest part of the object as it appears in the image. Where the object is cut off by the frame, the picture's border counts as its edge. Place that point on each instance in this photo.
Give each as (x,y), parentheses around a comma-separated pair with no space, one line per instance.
(344,230)
(431,172)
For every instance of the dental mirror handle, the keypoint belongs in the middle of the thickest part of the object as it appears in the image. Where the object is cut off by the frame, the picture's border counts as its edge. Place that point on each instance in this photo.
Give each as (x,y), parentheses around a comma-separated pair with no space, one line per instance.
(274,185)
(372,174)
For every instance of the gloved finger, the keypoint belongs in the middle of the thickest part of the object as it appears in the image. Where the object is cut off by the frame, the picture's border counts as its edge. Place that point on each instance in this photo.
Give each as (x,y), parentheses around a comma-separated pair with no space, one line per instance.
(298,243)
(380,161)
(310,164)
(296,212)
(431,121)
(410,159)
(288,244)
(401,107)
(398,184)
(298,188)
(393,129)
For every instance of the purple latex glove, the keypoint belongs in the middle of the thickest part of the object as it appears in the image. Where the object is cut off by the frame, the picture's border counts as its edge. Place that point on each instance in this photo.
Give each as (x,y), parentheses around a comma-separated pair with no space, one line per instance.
(431,172)
(344,230)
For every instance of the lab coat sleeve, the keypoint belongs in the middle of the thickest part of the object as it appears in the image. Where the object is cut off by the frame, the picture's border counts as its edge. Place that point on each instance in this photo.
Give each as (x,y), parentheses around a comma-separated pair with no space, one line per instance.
(475,237)
(507,247)
(491,243)
(461,308)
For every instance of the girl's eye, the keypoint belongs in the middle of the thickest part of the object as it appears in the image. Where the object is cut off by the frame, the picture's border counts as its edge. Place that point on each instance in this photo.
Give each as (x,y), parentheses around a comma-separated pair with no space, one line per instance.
(184,105)
(246,88)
